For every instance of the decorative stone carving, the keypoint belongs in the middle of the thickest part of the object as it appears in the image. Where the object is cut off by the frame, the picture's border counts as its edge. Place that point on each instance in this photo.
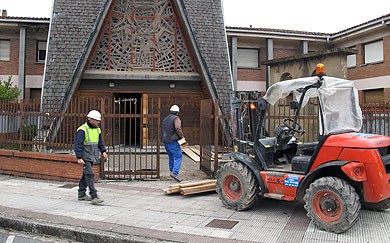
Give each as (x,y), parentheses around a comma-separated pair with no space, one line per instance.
(142,35)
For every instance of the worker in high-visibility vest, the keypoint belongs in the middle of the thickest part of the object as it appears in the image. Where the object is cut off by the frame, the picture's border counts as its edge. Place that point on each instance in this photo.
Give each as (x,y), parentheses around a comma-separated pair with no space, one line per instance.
(88,145)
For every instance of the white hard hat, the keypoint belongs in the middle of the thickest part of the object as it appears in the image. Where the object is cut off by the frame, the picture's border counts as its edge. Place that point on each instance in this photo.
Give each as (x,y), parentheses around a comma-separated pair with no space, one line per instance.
(94,114)
(174,108)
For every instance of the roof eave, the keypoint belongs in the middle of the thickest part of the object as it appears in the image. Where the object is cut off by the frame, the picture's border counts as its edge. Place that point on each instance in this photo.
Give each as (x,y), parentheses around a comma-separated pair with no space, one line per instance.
(276,33)
(385,21)
(25,21)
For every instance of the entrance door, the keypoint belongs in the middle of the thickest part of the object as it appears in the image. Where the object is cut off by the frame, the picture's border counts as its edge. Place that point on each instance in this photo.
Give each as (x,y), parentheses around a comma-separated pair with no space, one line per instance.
(130,127)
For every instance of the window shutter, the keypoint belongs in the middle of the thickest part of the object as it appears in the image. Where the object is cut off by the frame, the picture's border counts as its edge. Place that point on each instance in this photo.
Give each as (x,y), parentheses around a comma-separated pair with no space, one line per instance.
(4,50)
(373,52)
(247,58)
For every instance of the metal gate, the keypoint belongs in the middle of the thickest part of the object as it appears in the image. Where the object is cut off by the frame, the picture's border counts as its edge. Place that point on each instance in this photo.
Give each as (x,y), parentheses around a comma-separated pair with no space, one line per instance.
(133,145)
(206,136)
(213,140)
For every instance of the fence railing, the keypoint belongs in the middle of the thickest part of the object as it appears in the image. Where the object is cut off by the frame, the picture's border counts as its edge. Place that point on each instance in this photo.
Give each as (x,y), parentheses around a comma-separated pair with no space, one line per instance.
(24,127)
(130,131)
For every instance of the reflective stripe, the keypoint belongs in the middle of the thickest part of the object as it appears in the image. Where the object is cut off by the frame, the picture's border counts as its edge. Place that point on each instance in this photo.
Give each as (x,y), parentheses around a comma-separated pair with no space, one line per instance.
(86,130)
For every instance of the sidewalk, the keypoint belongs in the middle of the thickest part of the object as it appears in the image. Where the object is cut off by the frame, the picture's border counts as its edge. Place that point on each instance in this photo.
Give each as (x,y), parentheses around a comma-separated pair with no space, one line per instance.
(138,211)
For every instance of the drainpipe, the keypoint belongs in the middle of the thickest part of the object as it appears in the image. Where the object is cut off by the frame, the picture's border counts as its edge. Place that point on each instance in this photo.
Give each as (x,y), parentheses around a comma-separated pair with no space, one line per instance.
(234,61)
(270,55)
(22,62)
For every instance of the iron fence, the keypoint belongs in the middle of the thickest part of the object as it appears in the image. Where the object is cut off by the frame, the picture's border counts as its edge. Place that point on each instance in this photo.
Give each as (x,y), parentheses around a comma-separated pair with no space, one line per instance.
(130,130)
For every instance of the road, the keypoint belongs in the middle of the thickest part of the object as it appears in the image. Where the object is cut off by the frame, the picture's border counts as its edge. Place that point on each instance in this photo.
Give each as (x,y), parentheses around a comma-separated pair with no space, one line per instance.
(10,236)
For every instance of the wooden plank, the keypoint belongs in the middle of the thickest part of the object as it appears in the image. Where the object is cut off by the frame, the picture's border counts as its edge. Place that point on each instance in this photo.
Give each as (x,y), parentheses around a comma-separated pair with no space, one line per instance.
(198,183)
(191,188)
(195,149)
(191,154)
(198,189)
(171,191)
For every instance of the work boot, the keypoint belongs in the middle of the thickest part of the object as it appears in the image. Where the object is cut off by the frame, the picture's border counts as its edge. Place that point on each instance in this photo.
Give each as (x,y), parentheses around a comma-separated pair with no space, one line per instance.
(96,201)
(176,177)
(85,198)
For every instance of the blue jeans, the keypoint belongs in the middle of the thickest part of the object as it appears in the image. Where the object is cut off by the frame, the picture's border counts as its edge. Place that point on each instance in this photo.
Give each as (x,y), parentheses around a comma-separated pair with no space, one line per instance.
(175,156)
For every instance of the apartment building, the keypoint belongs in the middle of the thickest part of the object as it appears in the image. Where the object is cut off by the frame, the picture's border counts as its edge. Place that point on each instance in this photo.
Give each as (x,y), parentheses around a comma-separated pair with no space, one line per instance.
(253,51)
(23,44)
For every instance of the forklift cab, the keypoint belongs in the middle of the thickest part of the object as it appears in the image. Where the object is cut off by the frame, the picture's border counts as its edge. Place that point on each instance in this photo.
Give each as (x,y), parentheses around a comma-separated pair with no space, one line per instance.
(339,112)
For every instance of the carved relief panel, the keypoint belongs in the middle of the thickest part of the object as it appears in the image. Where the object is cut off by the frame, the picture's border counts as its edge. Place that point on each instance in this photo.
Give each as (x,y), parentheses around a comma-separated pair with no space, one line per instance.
(142,35)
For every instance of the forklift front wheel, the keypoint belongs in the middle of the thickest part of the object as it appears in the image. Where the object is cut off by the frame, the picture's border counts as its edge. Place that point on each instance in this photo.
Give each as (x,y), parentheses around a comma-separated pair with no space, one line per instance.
(332,204)
(237,186)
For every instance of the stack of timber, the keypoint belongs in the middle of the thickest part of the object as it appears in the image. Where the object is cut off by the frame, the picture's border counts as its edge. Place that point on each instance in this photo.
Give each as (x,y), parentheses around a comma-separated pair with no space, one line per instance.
(194,153)
(192,188)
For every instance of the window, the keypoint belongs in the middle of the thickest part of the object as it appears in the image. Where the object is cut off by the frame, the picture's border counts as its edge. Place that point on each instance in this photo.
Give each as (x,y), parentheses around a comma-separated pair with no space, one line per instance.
(351,60)
(4,50)
(373,96)
(35,95)
(248,58)
(285,76)
(373,52)
(41,51)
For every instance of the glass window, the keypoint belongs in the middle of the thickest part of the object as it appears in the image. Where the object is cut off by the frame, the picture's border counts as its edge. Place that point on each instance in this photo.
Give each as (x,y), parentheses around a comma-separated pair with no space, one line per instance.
(247,58)
(351,60)
(35,95)
(4,50)
(41,51)
(373,52)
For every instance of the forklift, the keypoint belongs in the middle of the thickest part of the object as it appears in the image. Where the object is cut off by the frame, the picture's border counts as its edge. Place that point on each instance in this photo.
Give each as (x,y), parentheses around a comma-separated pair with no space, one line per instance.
(335,176)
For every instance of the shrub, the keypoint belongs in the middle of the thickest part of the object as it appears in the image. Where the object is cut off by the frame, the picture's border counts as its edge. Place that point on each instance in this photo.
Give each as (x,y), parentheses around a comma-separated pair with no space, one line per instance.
(29,132)
(7,93)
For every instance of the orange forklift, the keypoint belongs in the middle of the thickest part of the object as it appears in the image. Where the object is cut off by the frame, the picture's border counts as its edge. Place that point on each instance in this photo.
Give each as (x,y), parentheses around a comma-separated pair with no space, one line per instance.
(336,176)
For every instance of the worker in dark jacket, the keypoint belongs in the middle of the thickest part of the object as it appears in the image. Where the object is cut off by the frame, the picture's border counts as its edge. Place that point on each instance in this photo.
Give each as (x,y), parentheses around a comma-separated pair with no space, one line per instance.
(170,134)
(87,146)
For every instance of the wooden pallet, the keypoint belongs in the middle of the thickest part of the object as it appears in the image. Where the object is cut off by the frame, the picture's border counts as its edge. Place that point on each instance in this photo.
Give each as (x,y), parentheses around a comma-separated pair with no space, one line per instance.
(192,188)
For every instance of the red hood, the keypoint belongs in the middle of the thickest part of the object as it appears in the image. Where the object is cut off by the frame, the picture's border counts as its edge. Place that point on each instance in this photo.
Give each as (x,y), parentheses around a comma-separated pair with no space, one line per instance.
(357,140)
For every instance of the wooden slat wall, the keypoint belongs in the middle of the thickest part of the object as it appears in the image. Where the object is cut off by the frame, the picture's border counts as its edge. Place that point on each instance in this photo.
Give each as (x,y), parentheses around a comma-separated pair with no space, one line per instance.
(189,104)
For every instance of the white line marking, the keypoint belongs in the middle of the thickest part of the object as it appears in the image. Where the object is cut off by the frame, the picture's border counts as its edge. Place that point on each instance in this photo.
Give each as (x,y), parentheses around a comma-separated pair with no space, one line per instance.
(10,239)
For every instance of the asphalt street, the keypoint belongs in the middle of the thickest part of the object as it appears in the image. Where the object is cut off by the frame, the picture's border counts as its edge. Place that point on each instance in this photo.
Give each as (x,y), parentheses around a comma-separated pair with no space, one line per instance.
(11,236)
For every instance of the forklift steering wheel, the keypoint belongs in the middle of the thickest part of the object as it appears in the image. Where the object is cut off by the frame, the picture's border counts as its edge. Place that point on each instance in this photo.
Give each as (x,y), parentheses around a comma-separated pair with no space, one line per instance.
(294,123)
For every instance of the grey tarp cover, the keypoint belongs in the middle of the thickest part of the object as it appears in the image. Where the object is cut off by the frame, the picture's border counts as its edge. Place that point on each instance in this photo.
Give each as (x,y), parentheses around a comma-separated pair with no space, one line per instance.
(338,98)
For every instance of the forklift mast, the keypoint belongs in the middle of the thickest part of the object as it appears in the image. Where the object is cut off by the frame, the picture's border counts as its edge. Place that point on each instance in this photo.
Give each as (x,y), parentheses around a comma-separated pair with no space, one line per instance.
(248,109)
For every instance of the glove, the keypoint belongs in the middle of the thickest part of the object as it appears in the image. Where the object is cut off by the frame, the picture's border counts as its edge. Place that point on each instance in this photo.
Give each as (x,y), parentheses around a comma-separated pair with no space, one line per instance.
(183,142)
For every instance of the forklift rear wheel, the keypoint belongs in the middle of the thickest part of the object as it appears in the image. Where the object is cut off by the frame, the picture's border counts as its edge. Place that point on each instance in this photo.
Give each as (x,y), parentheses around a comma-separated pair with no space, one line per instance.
(332,204)
(379,206)
(237,186)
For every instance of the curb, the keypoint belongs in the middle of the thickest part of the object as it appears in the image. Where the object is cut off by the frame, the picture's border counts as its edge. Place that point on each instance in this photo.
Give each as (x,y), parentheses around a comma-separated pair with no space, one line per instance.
(70,232)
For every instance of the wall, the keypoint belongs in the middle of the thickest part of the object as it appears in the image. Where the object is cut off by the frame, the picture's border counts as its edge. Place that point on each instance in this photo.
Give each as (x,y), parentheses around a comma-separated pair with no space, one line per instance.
(34,69)
(362,71)
(42,165)
(335,66)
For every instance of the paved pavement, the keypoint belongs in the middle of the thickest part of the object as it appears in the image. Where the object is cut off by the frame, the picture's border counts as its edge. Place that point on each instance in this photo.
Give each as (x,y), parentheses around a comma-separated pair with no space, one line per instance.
(138,211)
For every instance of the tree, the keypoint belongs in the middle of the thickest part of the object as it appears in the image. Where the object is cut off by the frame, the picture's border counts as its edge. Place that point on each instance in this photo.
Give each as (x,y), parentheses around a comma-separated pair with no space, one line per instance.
(7,92)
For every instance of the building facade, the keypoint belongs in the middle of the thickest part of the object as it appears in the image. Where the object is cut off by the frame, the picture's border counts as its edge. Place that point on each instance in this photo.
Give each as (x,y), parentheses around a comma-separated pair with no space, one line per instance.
(23,44)
(369,68)
(139,51)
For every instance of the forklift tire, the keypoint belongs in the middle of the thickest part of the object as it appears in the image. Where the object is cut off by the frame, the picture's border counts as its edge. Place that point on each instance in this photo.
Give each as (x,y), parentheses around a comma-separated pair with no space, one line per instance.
(332,204)
(237,186)
(378,206)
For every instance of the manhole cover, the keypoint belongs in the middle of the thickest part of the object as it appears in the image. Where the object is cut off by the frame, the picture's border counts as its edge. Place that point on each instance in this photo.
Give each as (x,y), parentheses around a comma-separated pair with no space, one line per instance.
(68,186)
(222,224)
